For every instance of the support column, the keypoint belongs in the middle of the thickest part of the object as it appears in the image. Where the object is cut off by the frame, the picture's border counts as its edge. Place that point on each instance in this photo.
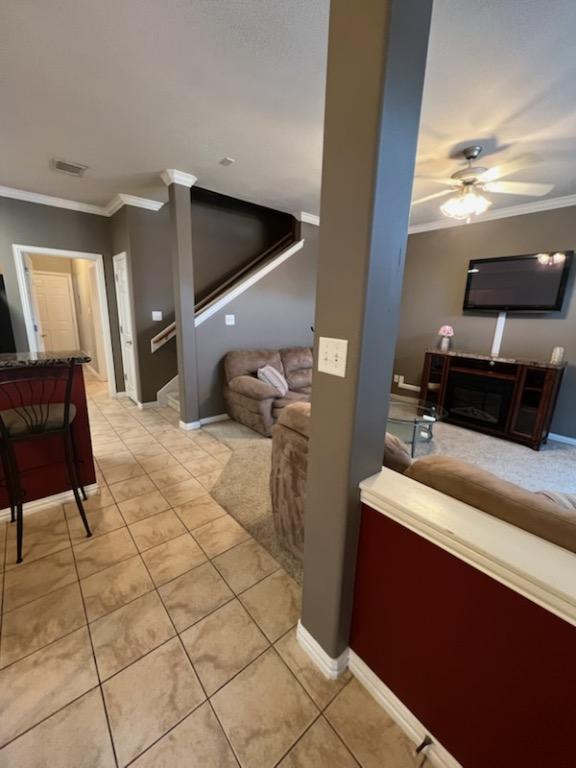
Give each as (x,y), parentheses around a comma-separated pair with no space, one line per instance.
(184,298)
(376,62)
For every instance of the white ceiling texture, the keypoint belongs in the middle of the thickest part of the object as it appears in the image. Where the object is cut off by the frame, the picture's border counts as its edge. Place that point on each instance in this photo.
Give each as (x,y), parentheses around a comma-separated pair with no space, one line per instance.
(129,87)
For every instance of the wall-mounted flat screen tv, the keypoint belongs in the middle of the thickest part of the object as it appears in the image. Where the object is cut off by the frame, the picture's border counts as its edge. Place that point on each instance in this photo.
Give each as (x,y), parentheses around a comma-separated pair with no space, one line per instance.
(533,283)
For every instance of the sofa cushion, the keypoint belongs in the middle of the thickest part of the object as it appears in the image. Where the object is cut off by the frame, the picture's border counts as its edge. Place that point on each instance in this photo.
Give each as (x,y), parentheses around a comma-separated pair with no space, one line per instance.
(269,375)
(481,489)
(247,361)
(291,397)
(297,418)
(298,363)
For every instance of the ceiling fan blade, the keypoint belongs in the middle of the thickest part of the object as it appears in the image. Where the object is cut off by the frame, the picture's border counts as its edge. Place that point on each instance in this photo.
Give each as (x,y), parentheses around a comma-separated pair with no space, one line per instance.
(507,169)
(439,180)
(431,197)
(518,188)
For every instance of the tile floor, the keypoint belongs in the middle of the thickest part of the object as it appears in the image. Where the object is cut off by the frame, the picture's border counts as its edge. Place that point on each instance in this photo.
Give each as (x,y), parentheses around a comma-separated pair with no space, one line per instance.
(167,639)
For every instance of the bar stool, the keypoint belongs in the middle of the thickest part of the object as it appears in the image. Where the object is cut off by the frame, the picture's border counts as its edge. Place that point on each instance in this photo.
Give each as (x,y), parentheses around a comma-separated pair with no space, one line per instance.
(32,407)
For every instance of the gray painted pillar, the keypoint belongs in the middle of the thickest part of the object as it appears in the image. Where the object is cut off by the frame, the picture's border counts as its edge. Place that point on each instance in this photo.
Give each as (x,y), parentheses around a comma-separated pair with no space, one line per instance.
(376,61)
(184,299)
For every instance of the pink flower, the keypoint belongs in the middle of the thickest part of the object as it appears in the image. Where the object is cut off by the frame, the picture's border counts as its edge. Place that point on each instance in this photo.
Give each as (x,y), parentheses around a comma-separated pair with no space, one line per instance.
(447,331)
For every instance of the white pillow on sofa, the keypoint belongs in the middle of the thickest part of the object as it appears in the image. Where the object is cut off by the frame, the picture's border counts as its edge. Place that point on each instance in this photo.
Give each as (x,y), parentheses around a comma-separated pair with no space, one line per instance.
(269,375)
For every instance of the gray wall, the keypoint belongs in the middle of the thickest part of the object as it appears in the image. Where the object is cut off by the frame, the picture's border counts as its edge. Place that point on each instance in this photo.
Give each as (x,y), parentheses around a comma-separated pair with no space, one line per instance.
(44,226)
(434,282)
(276,312)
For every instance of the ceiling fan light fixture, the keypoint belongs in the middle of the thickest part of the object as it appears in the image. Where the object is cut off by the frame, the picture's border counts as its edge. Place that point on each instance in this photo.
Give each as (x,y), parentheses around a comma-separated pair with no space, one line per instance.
(465,205)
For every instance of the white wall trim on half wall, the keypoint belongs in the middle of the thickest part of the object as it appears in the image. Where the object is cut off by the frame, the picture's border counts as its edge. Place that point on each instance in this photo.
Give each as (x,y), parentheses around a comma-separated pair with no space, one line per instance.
(309,218)
(72,205)
(399,712)
(331,668)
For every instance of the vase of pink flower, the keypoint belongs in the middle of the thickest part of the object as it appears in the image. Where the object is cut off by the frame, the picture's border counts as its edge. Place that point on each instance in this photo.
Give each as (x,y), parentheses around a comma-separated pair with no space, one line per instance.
(446,334)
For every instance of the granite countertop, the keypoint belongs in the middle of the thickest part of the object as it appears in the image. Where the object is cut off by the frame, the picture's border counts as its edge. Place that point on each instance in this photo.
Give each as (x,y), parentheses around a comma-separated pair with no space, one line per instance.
(32,359)
(511,360)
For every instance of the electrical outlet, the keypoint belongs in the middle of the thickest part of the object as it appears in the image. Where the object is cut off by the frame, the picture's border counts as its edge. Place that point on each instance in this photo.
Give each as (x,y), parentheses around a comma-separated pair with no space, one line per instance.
(230,319)
(396,378)
(332,356)
(156,315)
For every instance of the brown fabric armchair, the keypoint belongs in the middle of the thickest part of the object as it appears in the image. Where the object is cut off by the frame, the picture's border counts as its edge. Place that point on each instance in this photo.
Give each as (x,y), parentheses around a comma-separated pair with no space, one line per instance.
(256,404)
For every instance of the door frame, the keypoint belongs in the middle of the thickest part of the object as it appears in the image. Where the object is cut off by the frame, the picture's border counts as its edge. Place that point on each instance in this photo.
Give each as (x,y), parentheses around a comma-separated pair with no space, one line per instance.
(134,349)
(68,276)
(19,252)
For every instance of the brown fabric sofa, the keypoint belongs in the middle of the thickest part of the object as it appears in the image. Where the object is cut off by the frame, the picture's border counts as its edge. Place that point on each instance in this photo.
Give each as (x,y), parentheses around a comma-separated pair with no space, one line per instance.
(256,404)
(552,516)
(289,471)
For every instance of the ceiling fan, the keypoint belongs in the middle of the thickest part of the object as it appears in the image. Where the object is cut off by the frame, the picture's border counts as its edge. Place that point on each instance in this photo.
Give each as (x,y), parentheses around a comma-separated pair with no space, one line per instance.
(468,183)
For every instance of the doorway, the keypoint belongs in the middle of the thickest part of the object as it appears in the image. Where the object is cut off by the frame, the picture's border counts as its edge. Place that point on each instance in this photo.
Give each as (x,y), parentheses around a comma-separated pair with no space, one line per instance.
(126,324)
(64,305)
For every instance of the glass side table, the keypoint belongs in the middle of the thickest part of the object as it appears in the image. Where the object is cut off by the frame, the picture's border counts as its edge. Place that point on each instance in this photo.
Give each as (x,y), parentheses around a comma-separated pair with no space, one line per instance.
(412,421)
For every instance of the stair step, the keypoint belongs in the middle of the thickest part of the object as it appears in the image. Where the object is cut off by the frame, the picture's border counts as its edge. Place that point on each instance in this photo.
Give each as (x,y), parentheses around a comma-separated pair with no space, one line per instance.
(173,401)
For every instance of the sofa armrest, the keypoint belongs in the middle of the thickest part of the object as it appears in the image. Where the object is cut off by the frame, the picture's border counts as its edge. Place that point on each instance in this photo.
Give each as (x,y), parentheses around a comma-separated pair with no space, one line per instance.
(250,386)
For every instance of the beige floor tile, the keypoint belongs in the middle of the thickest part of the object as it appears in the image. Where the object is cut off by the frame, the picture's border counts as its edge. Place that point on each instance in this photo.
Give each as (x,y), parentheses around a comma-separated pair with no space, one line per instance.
(101,521)
(149,697)
(189,453)
(97,554)
(194,595)
(274,604)
(196,513)
(34,625)
(320,688)
(219,535)
(205,440)
(75,737)
(163,460)
(245,565)
(124,471)
(222,644)
(148,449)
(134,445)
(173,558)
(263,711)
(105,447)
(29,581)
(103,498)
(130,433)
(209,481)
(178,494)
(368,731)
(35,687)
(169,476)
(129,489)
(202,466)
(157,529)
(197,742)
(220,452)
(143,506)
(123,636)
(110,589)
(45,532)
(319,746)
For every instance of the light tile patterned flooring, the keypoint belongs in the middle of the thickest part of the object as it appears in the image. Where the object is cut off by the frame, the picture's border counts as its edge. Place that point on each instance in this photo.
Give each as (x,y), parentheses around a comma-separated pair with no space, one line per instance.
(168,638)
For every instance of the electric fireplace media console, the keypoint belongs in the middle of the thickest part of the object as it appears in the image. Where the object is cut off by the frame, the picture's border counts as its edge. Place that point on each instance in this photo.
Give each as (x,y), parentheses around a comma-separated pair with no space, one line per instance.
(512,399)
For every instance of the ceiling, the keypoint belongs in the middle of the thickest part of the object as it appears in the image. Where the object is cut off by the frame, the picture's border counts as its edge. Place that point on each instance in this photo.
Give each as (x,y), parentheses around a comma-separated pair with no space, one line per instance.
(130,87)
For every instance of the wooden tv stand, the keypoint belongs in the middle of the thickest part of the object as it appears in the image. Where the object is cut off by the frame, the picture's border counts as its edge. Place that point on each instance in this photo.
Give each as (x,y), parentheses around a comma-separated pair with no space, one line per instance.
(512,399)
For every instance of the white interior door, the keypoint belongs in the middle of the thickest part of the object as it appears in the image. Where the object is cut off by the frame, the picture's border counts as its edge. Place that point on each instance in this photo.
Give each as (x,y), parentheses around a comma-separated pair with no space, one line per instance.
(57,329)
(125,322)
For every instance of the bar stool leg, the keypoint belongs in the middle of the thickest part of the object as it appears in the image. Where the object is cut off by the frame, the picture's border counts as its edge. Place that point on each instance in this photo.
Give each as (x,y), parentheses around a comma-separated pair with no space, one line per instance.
(75,457)
(73,478)
(19,532)
(16,497)
(9,487)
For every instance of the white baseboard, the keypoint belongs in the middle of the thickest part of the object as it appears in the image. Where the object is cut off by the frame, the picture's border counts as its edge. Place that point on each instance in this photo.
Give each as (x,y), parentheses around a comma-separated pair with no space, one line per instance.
(214,419)
(121,394)
(188,425)
(562,439)
(49,501)
(144,406)
(399,712)
(330,667)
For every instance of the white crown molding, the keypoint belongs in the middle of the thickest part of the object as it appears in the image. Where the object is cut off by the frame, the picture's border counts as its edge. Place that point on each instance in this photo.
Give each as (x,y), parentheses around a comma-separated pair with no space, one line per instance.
(330,667)
(498,213)
(73,205)
(309,218)
(172,176)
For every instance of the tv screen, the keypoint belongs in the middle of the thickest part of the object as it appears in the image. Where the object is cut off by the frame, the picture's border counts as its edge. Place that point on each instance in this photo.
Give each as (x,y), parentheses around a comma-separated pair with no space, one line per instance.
(533,283)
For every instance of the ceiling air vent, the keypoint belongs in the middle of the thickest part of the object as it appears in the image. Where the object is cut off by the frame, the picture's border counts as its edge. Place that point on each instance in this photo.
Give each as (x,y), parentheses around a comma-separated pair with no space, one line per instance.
(72,169)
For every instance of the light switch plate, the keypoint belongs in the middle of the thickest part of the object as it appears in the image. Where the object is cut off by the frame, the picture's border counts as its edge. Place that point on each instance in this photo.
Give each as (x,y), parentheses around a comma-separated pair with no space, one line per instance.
(230,319)
(332,356)
(156,315)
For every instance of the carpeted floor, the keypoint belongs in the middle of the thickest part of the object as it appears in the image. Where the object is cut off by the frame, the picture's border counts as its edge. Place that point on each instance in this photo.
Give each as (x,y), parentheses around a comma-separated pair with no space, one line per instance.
(243,485)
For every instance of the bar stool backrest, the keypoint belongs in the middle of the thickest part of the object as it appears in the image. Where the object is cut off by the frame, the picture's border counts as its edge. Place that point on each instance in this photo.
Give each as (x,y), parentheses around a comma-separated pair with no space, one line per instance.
(38,401)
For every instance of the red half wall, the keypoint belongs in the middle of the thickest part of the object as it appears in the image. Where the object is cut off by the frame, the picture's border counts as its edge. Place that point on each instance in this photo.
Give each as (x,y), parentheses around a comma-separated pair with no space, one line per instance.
(490,674)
